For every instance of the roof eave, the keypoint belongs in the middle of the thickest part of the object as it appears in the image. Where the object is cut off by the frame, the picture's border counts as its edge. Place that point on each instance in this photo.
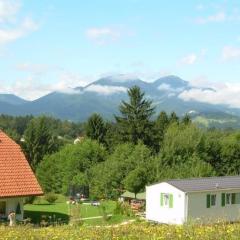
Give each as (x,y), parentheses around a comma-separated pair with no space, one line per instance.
(24,195)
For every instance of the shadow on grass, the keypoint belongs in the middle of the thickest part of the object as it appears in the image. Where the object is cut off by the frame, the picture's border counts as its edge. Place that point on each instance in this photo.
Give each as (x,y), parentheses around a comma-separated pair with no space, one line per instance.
(38,216)
(43,204)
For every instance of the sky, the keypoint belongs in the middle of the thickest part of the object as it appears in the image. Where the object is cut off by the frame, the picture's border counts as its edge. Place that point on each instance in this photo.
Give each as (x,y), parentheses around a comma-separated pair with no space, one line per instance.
(52,45)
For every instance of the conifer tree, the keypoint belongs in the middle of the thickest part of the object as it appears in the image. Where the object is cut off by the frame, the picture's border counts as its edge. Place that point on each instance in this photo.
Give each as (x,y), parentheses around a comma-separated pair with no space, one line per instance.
(135,121)
(95,128)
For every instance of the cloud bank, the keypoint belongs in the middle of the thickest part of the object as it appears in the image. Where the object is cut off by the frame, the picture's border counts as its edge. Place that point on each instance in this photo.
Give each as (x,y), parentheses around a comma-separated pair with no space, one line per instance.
(105,90)
(226,94)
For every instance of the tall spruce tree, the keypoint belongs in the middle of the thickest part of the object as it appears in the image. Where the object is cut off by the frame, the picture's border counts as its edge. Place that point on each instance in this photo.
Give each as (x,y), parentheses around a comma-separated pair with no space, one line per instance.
(135,123)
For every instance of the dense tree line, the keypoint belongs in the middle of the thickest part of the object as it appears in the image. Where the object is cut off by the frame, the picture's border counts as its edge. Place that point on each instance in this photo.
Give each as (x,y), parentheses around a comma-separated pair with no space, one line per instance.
(138,148)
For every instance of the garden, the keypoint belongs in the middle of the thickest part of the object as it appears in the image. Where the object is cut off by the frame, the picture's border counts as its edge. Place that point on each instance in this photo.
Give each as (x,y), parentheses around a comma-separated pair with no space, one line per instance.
(45,213)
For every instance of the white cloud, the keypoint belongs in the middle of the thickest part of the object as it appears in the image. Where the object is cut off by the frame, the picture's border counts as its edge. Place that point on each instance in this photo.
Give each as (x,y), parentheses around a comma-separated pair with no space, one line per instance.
(230,53)
(227,94)
(164,87)
(105,35)
(168,88)
(105,90)
(9,35)
(189,59)
(12,26)
(34,85)
(218,17)
(120,77)
(8,10)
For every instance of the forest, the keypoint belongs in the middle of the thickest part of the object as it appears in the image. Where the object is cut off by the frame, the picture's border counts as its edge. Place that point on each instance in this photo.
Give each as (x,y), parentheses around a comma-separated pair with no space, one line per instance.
(139,148)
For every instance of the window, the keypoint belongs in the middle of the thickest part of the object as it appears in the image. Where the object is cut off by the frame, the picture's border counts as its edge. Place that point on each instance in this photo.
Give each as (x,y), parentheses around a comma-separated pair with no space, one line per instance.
(237,198)
(2,208)
(211,200)
(228,198)
(167,200)
(232,198)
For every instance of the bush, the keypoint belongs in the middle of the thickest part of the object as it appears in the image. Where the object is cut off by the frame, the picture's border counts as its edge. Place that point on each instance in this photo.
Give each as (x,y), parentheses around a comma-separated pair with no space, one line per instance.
(103,211)
(75,215)
(51,198)
(123,208)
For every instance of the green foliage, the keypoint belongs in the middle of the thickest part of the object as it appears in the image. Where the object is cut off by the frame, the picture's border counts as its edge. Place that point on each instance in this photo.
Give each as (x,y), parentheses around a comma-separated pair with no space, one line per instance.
(130,153)
(134,122)
(230,154)
(186,119)
(70,166)
(136,180)
(39,141)
(108,177)
(173,118)
(95,128)
(160,127)
(103,211)
(194,167)
(51,197)
(75,215)
(180,143)
(123,208)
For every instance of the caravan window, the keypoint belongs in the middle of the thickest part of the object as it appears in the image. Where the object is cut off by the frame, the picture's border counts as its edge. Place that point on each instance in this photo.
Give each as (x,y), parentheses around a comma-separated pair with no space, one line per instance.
(213,199)
(166,199)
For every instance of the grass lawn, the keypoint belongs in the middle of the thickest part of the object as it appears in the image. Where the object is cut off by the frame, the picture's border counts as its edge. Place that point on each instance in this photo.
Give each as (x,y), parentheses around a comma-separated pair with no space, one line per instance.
(59,211)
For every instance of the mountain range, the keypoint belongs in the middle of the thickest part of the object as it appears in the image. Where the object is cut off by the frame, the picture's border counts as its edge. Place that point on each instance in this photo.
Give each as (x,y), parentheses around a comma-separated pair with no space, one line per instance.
(104,96)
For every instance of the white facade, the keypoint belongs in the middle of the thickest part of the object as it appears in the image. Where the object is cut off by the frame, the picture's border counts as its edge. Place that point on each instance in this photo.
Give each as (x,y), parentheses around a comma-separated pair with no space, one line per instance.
(202,207)
(165,214)
(11,206)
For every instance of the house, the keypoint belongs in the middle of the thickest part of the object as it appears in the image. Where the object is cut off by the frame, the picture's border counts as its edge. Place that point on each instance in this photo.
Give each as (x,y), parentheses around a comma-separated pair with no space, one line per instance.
(203,200)
(17,180)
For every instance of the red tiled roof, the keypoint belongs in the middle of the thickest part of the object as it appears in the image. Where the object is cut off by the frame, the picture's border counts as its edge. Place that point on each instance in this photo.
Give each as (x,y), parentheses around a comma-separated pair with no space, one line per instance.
(16,176)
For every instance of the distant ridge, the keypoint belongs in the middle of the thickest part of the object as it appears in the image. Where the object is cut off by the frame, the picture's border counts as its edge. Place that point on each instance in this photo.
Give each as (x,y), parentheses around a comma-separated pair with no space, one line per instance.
(104,96)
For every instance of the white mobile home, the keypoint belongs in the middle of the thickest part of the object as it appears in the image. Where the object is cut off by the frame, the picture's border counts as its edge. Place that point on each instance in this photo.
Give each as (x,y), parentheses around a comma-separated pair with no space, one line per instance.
(205,200)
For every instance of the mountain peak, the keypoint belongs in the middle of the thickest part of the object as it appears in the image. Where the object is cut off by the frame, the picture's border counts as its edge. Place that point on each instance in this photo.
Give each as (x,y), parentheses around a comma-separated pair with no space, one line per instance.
(172,81)
(121,80)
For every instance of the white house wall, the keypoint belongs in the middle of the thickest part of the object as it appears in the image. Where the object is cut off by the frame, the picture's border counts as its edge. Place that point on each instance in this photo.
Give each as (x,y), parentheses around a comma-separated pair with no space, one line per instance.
(158,213)
(198,211)
(11,205)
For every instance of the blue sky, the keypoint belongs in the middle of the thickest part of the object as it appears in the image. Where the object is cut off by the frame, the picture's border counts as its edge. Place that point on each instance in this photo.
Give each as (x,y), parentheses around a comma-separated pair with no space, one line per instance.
(50,45)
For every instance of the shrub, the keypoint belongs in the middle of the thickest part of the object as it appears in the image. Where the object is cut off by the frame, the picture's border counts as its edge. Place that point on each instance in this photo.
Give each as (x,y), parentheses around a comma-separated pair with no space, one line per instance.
(51,198)
(123,208)
(75,215)
(103,211)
